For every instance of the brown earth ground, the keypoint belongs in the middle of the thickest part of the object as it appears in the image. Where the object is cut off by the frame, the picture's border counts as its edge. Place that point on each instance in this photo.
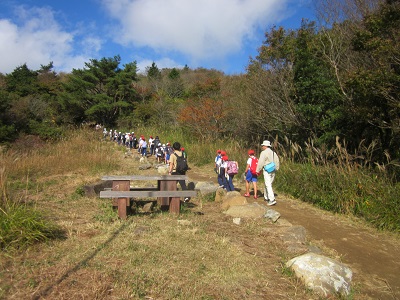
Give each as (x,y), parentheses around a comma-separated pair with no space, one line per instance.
(372,255)
(67,269)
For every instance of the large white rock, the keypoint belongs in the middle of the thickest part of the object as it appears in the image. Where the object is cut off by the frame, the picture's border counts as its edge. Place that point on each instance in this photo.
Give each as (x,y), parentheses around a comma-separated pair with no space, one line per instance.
(322,274)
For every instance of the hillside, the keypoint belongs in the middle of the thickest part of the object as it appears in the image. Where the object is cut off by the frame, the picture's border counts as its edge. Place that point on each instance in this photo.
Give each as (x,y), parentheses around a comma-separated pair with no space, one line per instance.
(157,256)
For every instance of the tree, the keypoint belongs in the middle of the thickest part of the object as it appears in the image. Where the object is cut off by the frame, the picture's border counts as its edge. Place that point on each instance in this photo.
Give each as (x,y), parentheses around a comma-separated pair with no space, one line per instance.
(204,117)
(22,81)
(100,92)
(375,85)
(317,95)
(174,85)
(154,76)
(269,87)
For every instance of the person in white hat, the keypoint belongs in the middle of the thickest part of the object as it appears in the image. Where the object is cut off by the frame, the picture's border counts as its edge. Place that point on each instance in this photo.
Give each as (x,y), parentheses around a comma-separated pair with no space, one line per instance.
(267,156)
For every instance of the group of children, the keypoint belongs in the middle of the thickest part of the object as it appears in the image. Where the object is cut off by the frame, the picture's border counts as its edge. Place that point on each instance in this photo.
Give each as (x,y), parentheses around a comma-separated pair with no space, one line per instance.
(152,146)
(227,169)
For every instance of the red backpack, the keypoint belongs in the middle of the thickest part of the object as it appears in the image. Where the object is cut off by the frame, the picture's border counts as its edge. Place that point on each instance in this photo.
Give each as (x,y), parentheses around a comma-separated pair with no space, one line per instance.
(253,165)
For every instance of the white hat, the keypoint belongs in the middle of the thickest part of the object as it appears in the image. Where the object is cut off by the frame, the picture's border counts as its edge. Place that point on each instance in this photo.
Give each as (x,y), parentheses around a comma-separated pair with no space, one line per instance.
(266,143)
(159,144)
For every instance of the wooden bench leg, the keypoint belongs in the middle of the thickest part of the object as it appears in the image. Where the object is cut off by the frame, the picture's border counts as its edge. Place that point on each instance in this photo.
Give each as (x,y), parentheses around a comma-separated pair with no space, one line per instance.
(163,202)
(122,211)
(122,185)
(175,205)
(174,202)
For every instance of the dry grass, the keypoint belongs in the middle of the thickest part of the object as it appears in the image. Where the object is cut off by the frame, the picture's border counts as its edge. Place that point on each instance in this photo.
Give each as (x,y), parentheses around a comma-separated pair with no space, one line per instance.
(199,254)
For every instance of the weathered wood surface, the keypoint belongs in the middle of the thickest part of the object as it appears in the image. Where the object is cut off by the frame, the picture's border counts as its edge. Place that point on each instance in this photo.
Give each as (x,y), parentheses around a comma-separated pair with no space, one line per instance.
(146,194)
(166,192)
(145,177)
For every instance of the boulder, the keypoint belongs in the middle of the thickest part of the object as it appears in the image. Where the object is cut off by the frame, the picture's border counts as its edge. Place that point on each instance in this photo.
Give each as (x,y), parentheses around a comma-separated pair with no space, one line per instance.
(162,169)
(93,190)
(295,239)
(294,234)
(233,201)
(220,194)
(148,207)
(206,187)
(232,194)
(145,166)
(272,215)
(325,276)
(253,210)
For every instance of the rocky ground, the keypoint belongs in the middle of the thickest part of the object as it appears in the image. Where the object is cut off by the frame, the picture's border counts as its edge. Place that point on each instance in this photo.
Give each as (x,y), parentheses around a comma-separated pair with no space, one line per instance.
(372,255)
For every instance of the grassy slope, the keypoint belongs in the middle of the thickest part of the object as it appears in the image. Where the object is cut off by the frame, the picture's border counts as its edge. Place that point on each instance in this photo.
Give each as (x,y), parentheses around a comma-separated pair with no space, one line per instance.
(149,255)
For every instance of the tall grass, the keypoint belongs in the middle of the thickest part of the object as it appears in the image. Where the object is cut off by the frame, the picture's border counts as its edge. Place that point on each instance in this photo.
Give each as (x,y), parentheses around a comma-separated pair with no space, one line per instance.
(24,172)
(21,224)
(341,182)
(80,150)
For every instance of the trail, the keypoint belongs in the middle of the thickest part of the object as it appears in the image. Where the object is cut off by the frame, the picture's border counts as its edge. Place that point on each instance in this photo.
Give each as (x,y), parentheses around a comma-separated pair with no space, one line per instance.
(373,256)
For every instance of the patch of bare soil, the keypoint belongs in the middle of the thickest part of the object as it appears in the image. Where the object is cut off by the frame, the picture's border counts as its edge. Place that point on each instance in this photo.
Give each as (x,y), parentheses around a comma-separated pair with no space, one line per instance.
(372,255)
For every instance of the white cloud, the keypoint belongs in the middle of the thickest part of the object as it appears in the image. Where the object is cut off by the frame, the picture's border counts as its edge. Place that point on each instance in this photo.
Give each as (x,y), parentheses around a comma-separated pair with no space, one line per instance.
(199,29)
(172,33)
(38,40)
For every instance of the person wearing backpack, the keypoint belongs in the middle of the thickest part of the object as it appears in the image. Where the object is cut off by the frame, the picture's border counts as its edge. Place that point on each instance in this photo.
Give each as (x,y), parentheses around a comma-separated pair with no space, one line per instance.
(178,165)
(218,163)
(156,142)
(232,168)
(267,157)
(251,173)
(168,150)
(222,172)
(159,152)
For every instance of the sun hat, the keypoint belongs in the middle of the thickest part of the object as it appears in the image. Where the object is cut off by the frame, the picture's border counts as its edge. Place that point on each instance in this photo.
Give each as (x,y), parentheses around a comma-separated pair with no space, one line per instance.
(266,143)
(218,151)
(225,157)
(223,153)
(250,152)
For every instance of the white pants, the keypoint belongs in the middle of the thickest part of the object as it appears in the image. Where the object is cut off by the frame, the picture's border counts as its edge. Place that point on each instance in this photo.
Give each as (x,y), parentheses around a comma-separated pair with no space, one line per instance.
(268,180)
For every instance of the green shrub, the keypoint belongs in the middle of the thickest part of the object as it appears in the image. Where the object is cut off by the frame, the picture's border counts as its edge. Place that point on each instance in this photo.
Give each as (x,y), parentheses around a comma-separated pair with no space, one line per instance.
(22,226)
(370,196)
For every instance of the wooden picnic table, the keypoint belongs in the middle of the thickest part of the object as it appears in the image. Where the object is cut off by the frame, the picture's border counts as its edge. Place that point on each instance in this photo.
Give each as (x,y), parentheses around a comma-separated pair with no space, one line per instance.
(166,191)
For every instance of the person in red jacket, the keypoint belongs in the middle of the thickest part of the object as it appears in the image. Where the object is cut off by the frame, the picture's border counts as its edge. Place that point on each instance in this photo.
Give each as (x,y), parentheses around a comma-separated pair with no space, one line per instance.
(251,173)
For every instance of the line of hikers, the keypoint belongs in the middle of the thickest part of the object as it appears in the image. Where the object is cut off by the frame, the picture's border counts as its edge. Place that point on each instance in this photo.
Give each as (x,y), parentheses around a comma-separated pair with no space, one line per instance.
(226,169)
(151,146)
(268,164)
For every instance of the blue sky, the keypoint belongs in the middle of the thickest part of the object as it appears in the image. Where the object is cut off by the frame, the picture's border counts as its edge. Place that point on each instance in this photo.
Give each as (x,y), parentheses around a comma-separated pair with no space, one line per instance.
(212,34)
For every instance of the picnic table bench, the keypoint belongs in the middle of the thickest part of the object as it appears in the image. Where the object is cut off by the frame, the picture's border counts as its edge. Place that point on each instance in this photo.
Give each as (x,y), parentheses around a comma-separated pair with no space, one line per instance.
(166,191)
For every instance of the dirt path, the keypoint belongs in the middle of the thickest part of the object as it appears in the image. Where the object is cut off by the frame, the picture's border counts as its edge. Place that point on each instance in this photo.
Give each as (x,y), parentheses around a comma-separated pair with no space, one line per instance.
(372,255)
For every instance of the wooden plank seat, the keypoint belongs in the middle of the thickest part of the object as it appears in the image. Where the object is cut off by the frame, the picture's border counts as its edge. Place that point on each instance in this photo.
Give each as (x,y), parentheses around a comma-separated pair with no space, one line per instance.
(146,194)
(145,177)
(166,191)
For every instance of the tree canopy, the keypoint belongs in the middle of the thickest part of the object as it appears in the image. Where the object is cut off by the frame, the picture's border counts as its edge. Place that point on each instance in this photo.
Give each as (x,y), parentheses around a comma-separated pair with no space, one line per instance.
(336,79)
